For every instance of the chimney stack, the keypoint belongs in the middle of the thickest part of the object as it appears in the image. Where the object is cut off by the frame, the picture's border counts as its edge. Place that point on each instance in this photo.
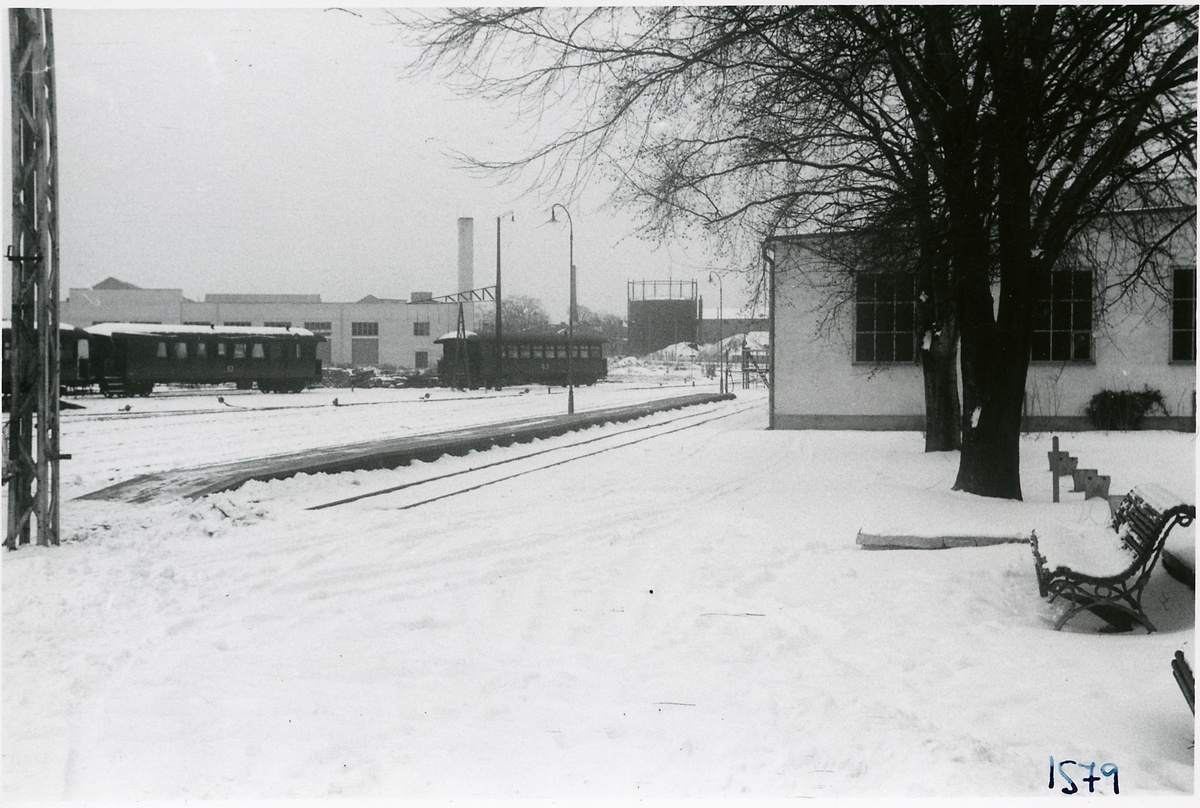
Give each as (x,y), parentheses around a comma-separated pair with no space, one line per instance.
(466,254)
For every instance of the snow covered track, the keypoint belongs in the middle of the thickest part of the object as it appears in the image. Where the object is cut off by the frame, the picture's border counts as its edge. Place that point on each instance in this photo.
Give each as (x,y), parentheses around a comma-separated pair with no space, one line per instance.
(379,454)
(616,440)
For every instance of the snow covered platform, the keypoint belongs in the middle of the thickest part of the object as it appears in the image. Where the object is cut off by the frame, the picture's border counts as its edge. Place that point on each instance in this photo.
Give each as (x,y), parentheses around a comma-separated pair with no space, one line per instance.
(876,541)
(378,454)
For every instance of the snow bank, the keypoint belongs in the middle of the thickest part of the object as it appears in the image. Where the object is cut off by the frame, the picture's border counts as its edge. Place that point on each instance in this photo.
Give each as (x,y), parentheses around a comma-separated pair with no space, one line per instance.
(684,617)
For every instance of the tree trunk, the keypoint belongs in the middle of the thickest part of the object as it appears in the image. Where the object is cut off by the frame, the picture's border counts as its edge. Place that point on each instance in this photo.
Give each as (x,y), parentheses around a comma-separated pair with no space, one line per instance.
(939,364)
(991,458)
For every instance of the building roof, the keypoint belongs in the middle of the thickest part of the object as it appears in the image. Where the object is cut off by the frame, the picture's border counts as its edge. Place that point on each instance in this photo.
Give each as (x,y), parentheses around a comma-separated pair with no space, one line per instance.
(174,329)
(115,283)
(223,298)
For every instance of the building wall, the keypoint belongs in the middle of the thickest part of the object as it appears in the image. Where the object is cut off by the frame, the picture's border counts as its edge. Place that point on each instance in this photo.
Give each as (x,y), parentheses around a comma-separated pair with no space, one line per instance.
(655,324)
(819,386)
(397,344)
(86,307)
(817,383)
(709,331)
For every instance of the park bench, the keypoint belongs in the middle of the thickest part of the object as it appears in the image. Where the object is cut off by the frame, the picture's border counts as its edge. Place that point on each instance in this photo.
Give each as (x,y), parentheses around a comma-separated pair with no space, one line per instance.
(1185,679)
(1142,521)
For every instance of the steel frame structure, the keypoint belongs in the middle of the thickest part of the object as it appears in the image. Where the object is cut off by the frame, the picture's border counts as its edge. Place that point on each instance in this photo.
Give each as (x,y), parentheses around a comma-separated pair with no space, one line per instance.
(31,466)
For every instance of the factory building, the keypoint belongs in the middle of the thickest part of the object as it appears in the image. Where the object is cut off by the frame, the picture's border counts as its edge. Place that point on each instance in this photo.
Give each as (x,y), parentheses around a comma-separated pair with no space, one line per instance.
(660,313)
(371,332)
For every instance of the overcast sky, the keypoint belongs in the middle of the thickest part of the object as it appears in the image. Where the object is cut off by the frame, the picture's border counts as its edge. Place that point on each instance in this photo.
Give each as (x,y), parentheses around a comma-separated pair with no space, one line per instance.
(278,150)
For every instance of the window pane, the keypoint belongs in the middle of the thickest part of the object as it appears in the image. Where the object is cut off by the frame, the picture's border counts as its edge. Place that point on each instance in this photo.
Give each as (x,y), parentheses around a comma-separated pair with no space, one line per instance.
(1185,283)
(1060,317)
(904,348)
(904,318)
(1060,285)
(866,316)
(884,348)
(1060,346)
(1082,281)
(1183,346)
(885,318)
(1083,346)
(864,348)
(1041,316)
(1081,315)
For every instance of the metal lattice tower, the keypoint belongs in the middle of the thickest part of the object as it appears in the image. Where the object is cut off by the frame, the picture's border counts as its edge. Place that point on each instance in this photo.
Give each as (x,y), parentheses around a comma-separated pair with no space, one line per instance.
(31,461)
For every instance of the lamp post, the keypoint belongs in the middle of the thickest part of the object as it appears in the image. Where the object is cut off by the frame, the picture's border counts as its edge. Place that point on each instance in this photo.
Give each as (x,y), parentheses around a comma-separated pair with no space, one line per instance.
(499,351)
(720,324)
(571,311)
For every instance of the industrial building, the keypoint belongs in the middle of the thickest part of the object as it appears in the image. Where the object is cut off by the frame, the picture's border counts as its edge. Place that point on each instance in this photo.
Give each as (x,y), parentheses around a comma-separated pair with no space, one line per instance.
(371,332)
(660,313)
(846,351)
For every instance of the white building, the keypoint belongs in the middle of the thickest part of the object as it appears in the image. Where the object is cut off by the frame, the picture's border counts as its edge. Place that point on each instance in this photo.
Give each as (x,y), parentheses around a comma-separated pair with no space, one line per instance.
(845,350)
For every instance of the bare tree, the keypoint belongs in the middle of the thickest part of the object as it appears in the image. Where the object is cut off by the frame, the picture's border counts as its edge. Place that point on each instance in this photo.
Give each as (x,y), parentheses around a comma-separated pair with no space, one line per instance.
(992,138)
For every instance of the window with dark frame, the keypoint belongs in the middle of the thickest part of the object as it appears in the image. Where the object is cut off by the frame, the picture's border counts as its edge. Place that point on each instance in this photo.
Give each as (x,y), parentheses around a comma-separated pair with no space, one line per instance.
(364,329)
(885,308)
(420,329)
(1183,316)
(1062,318)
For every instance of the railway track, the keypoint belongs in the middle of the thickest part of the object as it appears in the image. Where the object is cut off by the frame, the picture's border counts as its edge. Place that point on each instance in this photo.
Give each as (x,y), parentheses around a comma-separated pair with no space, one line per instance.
(197,481)
(486,474)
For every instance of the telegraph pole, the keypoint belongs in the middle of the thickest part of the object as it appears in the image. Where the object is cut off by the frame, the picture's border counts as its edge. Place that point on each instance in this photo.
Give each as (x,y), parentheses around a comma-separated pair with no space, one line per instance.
(31,464)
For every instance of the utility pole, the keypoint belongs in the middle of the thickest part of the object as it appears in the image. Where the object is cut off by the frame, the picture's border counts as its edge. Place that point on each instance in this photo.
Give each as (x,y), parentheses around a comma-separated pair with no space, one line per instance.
(31,465)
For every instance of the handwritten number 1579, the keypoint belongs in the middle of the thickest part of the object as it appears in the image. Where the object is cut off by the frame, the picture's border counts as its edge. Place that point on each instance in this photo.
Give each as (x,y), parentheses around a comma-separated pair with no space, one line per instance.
(1107,770)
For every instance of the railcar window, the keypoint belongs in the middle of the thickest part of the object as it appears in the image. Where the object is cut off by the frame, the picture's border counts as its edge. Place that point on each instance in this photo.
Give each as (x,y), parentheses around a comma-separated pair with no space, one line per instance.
(162,350)
(258,351)
(82,349)
(221,349)
(298,352)
(239,350)
(181,351)
(201,350)
(523,351)
(560,351)
(507,352)
(539,352)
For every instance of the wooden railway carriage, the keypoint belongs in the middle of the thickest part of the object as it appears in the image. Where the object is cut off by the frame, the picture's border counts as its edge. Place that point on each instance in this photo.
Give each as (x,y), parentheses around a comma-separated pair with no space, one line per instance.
(528,358)
(130,358)
(73,358)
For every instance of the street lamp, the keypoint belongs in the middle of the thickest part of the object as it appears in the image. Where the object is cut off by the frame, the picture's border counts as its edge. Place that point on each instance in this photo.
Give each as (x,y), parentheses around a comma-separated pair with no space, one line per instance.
(720,324)
(499,351)
(571,311)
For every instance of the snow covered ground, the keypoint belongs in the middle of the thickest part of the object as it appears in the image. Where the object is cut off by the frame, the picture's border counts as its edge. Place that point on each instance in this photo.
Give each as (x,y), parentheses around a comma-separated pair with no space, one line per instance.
(685,616)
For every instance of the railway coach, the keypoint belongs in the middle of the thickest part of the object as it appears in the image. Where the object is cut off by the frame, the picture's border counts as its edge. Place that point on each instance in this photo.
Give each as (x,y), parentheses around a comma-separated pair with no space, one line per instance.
(128,359)
(526,358)
(73,353)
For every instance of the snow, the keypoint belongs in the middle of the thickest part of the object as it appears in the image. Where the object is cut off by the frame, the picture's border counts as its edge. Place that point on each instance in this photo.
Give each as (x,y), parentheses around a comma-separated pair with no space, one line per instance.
(685,616)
